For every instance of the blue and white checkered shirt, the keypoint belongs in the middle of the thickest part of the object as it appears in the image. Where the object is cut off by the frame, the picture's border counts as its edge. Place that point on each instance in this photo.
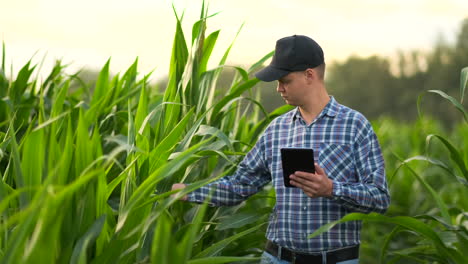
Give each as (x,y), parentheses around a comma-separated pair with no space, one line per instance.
(344,145)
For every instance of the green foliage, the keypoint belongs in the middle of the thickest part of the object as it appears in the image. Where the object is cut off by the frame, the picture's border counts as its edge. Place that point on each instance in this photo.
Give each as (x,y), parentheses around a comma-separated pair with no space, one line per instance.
(429,213)
(86,170)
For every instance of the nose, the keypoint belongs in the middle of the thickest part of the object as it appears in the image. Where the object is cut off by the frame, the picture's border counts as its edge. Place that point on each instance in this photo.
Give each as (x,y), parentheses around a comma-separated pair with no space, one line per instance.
(279,87)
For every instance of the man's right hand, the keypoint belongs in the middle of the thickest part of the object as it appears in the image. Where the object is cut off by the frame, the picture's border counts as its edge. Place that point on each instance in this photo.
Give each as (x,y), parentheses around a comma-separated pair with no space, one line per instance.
(177,186)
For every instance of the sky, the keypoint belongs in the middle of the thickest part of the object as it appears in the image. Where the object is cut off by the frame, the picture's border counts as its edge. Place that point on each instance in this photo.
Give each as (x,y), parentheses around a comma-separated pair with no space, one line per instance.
(86,33)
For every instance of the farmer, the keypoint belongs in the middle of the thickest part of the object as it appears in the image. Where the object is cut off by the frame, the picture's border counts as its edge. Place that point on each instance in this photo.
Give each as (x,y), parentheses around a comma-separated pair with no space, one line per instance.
(349,167)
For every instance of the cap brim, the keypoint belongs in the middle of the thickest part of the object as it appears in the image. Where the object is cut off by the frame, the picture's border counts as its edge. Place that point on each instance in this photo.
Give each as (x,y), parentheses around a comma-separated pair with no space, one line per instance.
(269,74)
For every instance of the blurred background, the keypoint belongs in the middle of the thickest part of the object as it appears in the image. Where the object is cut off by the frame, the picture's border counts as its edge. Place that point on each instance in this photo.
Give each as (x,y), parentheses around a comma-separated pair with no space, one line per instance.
(380,54)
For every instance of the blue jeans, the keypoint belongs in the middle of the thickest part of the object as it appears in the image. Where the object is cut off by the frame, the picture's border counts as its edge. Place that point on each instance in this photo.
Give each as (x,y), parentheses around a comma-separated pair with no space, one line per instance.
(269,259)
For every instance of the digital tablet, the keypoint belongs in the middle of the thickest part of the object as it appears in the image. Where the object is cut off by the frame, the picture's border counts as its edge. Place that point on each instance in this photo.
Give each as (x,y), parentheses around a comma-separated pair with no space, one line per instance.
(296,159)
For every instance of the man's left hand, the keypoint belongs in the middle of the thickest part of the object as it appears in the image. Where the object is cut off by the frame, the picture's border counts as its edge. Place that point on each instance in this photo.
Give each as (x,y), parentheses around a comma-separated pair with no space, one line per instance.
(313,184)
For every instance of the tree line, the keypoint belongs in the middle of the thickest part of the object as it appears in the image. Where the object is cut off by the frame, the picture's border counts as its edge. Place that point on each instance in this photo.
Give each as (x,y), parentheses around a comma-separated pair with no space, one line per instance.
(380,86)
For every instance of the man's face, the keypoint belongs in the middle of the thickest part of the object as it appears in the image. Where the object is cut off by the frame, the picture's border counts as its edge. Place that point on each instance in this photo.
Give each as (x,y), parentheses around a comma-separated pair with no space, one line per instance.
(293,88)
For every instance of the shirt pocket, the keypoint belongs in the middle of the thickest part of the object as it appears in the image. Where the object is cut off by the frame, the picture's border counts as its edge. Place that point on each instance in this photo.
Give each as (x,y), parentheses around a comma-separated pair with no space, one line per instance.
(337,161)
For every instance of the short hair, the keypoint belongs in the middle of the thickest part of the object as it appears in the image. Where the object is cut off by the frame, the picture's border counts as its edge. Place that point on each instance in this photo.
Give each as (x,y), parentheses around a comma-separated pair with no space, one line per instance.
(321,71)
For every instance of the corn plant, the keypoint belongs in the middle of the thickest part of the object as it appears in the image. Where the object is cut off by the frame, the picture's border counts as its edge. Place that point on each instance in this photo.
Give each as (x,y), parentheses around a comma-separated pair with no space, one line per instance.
(86,173)
(442,232)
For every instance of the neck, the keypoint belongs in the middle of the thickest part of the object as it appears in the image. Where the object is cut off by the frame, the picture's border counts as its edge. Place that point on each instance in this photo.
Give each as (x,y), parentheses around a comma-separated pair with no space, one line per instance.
(314,104)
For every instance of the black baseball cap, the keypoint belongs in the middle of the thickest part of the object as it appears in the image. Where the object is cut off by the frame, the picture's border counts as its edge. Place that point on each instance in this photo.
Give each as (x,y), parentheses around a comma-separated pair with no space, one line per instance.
(294,53)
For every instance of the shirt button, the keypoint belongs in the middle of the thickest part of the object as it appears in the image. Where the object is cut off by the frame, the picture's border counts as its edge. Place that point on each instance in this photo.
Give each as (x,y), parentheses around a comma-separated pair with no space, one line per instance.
(305,208)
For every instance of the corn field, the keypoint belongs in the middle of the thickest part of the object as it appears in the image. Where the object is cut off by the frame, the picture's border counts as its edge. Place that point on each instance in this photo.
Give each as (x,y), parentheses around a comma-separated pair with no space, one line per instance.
(86,170)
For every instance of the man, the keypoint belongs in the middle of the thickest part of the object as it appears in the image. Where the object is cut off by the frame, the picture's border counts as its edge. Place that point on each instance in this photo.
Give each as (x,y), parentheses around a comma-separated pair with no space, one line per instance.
(349,167)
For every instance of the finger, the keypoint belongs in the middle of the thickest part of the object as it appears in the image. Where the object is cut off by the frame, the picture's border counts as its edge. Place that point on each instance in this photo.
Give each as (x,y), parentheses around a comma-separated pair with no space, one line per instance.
(305,177)
(308,191)
(303,174)
(306,186)
(177,186)
(302,179)
(319,170)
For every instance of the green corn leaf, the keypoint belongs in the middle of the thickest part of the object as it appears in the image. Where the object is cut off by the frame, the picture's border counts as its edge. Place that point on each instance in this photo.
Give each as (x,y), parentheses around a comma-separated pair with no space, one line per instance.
(163,242)
(59,99)
(182,192)
(455,155)
(18,239)
(217,71)
(102,102)
(102,85)
(228,50)
(220,260)
(143,133)
(79,255)
(197,26)
(406,222)
(437,163)
(452,100)
(130,182)
(83,148)
(64,172)
(4,83)
(196,29)
(55,77)
(115,182)
(418,254)
(51,121)
(142,112)
(208,47)
(148,185)
(16,164)
(463,241)
(243,73)
(213,131)
(239,220)
(260,63)
(463,83)
(33,158)
(129,77)
(211,77)
(236,92)
(162,151)
(388,240)
(12,194)
(441,204)
(185,247)
(217,247)
(260,126)
(21,83)
(171,116)
(179,52)
(3,56)
(76,185)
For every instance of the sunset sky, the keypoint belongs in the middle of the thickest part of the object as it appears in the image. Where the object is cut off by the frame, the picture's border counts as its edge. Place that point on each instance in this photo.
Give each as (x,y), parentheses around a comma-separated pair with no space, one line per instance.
(86,33)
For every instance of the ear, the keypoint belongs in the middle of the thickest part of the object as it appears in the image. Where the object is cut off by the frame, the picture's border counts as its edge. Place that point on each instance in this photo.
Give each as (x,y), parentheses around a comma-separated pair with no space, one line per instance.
(311,75)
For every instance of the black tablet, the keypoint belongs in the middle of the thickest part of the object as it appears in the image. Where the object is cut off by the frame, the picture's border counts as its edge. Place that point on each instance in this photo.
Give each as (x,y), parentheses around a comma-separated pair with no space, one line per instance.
(296,159)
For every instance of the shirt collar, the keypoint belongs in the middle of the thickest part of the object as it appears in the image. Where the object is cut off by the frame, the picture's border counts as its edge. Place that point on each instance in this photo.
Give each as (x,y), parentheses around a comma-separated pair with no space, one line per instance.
(331,110)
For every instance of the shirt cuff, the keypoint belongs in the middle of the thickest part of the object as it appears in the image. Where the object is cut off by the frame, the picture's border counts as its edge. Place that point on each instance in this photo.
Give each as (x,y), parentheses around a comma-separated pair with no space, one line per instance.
(337,191)
(191,196)
(196,196)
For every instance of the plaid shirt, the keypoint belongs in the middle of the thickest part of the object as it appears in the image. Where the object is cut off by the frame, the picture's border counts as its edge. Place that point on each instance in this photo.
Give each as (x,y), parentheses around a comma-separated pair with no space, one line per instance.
(344,145)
